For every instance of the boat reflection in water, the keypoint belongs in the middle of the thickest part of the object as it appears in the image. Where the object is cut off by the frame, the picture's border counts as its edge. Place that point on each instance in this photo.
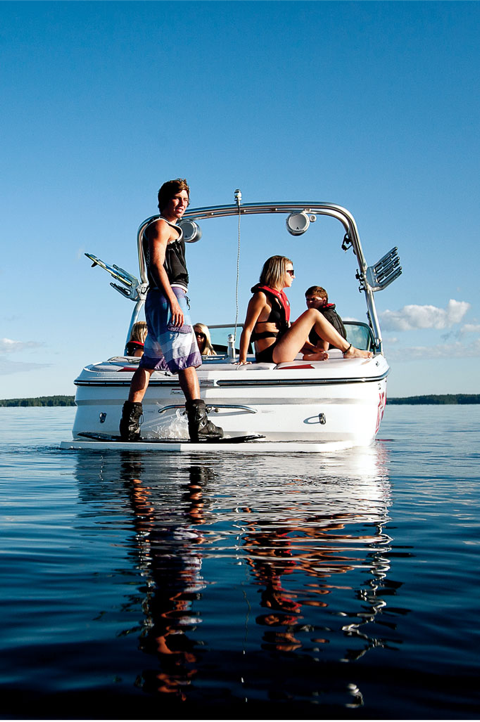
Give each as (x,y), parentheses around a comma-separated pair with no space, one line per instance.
(259,578)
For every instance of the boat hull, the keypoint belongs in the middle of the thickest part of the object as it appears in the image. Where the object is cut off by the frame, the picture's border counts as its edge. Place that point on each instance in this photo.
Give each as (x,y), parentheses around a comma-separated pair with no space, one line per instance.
(339,400)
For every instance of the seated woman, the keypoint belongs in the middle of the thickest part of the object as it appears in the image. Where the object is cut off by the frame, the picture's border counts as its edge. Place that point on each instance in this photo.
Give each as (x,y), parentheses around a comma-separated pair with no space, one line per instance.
(203,340)
(137,339)
(268,322)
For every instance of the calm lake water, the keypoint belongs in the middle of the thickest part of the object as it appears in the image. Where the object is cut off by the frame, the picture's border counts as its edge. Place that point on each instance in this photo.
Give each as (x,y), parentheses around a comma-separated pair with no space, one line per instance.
(147,586)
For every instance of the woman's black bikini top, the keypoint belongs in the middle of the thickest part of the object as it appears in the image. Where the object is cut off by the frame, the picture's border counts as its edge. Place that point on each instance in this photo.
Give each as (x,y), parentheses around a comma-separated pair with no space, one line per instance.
(279,315)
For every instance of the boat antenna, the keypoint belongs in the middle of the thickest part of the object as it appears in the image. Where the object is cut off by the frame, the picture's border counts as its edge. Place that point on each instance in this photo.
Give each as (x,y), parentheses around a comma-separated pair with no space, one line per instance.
(238,199)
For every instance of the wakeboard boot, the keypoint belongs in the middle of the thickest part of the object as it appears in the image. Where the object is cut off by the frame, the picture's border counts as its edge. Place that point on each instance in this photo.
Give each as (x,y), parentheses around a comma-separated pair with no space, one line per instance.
(199,426)
(130,421)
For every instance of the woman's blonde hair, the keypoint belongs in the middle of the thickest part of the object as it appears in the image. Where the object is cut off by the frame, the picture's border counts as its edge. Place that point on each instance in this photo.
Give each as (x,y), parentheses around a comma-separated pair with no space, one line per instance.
(273,271)
(208,349)
(139,332)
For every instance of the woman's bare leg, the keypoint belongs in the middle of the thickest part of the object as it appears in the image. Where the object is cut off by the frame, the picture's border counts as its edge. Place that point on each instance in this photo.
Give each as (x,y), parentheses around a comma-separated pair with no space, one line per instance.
(328,333)
(293,340)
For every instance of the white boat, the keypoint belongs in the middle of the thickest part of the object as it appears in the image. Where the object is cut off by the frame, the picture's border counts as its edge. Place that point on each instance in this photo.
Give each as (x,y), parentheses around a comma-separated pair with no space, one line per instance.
(286,408)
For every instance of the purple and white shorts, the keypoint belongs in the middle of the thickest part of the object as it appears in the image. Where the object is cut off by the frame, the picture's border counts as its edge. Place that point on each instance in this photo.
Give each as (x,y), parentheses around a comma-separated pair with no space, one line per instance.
(168,347)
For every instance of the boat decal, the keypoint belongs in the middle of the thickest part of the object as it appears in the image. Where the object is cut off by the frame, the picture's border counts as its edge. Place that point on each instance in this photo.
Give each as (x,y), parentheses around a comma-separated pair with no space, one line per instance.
(382,402)
(302,366)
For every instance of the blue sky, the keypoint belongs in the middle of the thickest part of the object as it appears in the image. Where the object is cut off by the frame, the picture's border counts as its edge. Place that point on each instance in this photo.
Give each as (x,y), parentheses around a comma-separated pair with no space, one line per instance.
(370,105)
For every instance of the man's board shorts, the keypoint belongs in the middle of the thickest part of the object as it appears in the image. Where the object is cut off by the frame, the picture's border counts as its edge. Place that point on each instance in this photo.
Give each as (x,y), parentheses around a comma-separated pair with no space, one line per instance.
(167,347)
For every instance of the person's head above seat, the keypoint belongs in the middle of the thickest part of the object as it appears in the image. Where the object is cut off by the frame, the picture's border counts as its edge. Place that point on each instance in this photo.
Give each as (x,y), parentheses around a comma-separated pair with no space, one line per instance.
(277,272)
(316,296)
(204,341)
(139,332)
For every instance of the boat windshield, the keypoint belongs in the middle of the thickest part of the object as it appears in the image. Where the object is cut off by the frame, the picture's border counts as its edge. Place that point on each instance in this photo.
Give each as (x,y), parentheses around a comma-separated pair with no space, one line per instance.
(359,335)
(220,340)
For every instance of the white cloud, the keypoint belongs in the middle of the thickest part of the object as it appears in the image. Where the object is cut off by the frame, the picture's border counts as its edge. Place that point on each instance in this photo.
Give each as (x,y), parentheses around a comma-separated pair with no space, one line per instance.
(7,345)
(471,328)
(424,353)
(17,367)
(413,317)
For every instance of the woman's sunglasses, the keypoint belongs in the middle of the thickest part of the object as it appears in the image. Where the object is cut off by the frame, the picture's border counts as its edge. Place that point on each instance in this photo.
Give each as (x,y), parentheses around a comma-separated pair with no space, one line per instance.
(291,271)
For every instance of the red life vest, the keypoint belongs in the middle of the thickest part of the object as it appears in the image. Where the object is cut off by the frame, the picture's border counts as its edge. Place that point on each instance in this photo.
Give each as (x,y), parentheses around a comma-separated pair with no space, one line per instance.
(281,296)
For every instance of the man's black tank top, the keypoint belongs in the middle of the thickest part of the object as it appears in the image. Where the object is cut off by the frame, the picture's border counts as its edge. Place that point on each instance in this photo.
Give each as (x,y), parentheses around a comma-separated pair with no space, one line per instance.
(174,264)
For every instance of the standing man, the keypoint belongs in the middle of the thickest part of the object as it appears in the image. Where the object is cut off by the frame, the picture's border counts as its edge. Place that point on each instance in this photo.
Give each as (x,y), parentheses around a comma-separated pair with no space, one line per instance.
(170,343)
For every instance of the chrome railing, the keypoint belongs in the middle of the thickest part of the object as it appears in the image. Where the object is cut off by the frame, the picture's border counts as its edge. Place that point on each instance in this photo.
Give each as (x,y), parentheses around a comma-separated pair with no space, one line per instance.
(368,276)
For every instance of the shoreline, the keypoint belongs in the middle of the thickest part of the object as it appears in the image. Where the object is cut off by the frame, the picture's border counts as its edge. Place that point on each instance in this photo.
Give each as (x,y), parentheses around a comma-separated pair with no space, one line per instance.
(428,399)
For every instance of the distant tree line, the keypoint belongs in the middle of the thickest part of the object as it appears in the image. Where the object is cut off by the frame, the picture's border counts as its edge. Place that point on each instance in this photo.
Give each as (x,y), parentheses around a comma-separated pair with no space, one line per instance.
(40,401)
(437,400)
(440,399)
